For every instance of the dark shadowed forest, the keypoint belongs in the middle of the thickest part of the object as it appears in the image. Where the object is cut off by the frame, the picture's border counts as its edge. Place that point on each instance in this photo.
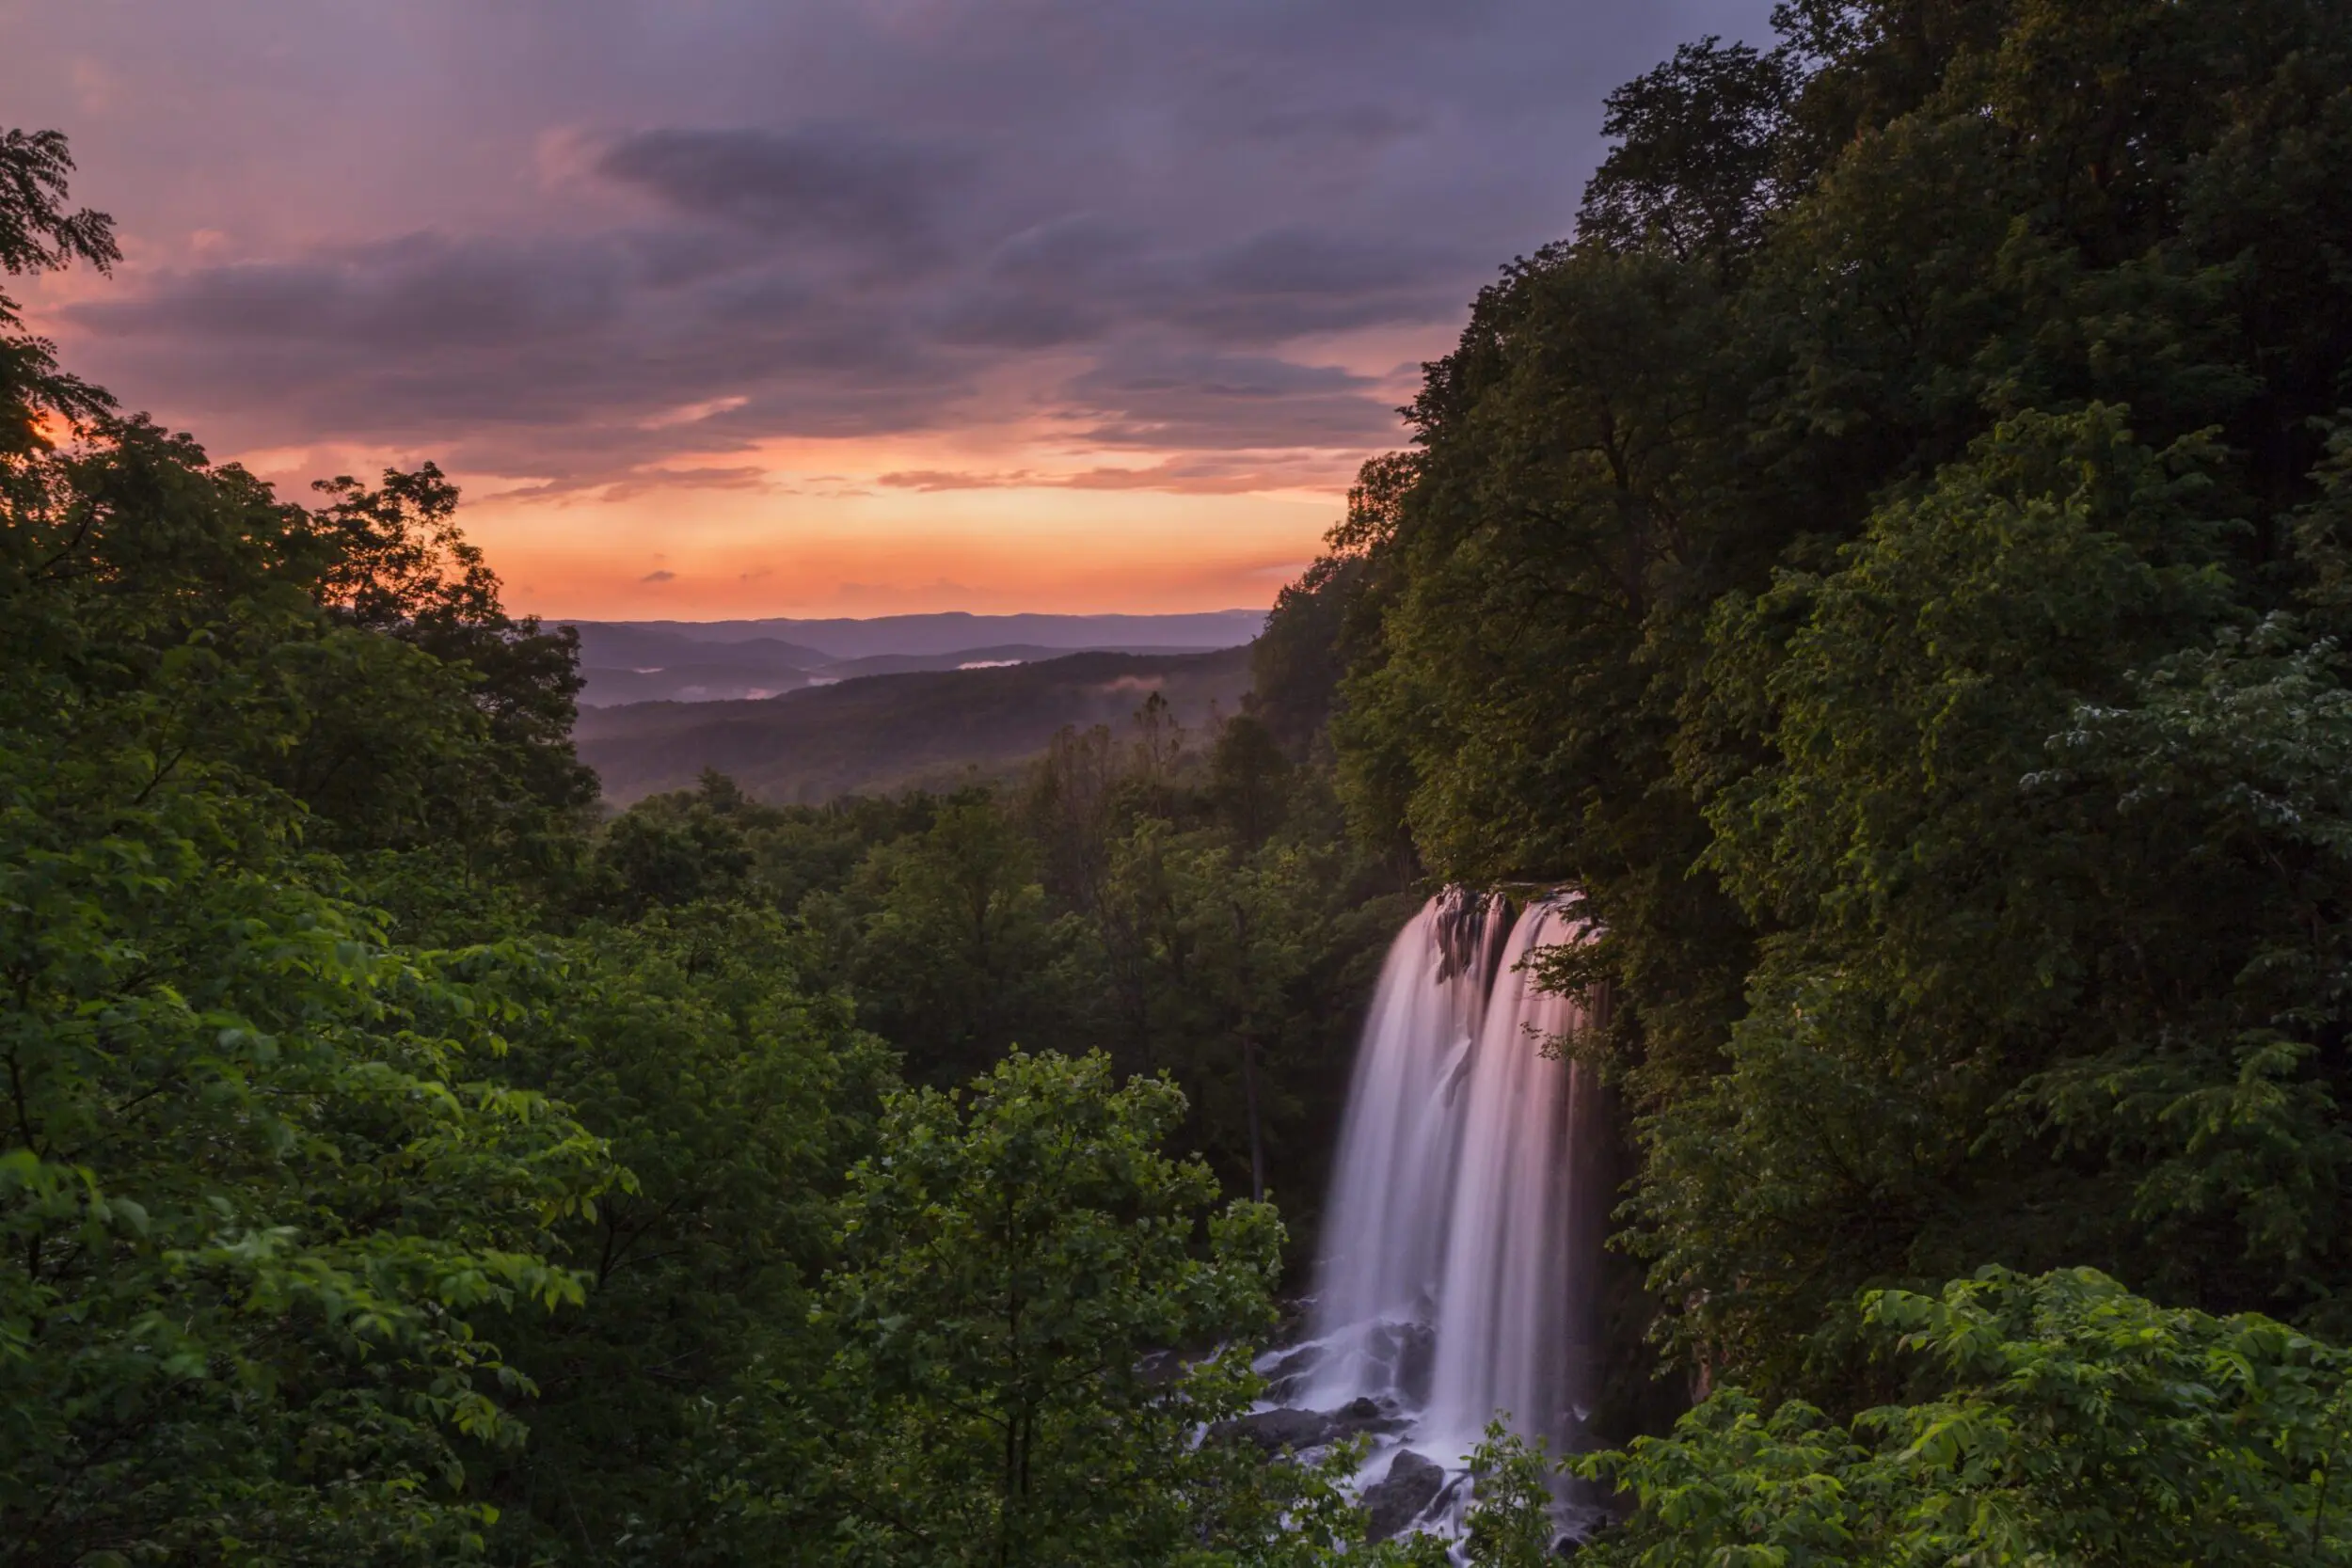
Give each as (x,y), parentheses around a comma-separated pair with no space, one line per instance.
(1894,560)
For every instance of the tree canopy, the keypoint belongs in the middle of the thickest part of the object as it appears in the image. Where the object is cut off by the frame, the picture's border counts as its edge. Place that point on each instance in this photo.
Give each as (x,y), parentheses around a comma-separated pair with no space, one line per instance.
(1888,559)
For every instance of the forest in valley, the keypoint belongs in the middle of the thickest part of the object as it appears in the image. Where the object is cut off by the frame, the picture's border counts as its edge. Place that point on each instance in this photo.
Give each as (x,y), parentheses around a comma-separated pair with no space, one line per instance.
(1894,560)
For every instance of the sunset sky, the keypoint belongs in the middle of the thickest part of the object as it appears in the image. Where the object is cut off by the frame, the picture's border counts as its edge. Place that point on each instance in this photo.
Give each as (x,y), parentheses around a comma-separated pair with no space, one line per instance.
(719,307)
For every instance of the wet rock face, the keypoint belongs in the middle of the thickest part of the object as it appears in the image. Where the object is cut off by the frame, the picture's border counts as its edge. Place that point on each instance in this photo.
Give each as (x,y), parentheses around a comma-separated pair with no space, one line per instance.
(1365,1415)
(1287,1376)
(1277,1429)
(1403,1494)
(1299,1429)
(1416,1361)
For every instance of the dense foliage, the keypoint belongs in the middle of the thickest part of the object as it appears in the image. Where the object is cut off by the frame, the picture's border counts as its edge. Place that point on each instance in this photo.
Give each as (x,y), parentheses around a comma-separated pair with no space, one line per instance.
(1895,557)
(1892,559)
(2069,1422)
(1008,1263)
(1190,905)
(260,1169)
(402,1165)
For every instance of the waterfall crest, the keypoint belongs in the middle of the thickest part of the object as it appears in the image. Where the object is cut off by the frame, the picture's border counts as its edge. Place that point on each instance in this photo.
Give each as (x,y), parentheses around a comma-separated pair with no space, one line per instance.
(1468,1201)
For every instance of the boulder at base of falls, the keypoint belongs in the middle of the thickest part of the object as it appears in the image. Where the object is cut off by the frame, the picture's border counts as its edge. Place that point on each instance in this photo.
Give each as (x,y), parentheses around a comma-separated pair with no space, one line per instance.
(1365,1416)
(1302,1430)
(1277,1429)
(1401,1496)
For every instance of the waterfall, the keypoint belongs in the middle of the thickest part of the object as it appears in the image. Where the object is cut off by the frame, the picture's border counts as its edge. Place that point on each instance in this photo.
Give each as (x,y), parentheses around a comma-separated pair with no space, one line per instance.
(1467,1203)
(1384,1232)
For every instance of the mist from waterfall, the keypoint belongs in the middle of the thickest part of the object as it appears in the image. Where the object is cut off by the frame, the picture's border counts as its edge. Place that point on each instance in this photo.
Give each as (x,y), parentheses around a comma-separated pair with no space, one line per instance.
(1466,1204)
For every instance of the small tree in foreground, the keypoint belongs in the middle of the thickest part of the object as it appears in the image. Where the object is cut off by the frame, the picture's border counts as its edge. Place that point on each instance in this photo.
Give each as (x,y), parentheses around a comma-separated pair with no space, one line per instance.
(1014,1256)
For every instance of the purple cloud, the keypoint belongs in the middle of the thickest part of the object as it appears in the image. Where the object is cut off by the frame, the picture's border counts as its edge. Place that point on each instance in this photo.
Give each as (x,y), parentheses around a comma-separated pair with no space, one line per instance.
(584,241)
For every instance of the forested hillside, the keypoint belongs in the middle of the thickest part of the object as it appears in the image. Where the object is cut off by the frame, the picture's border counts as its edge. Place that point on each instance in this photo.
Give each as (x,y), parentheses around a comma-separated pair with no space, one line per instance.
(1893,559)
(634,661)
(881,732)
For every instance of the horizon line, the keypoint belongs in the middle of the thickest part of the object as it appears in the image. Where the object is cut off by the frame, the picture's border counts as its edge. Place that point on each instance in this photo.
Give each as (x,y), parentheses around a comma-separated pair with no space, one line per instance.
(917,615)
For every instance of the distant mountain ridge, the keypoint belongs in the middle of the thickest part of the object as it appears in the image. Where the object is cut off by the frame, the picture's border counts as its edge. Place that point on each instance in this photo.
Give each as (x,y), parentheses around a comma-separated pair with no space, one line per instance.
(701,661)
(948,631)
(884,732)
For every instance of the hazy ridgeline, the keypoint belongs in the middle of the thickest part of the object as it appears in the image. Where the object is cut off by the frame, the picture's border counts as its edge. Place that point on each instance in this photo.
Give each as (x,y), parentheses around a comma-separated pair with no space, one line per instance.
(884,732)
(640,662)
(1892,563)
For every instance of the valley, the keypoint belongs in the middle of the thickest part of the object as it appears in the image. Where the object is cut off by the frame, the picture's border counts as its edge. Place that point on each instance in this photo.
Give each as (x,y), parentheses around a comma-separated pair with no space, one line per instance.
(867,733)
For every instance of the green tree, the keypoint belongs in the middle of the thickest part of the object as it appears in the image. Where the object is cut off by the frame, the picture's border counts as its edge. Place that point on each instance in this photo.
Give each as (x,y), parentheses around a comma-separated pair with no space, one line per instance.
(1513,1518)
(257,1181)
(674,850)
(163,593)
(736,1102)
(402,567)
(39,235)
(1250,776)
(261,1176)
(960,959)
(2069,1422)
(1014,1256)
(1700,159)
(1909,694)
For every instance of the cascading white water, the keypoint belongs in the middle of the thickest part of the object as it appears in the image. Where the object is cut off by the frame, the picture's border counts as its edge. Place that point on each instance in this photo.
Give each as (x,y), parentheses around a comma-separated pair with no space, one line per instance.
(1513,1298)
(1466,1201)
(1385,1238)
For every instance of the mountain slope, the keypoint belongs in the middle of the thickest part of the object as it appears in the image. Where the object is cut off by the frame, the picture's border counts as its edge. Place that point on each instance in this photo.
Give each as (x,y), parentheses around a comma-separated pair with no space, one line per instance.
(701,661)
(879,732)
(947,631)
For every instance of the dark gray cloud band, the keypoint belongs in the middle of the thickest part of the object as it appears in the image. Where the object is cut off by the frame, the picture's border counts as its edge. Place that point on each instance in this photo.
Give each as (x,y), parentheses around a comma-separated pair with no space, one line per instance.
(1132,222)
(822,183)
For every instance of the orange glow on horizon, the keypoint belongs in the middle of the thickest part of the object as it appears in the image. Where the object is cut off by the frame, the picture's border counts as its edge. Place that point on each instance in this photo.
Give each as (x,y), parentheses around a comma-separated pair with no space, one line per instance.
(885,529)
(991,551)
(1015,508)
